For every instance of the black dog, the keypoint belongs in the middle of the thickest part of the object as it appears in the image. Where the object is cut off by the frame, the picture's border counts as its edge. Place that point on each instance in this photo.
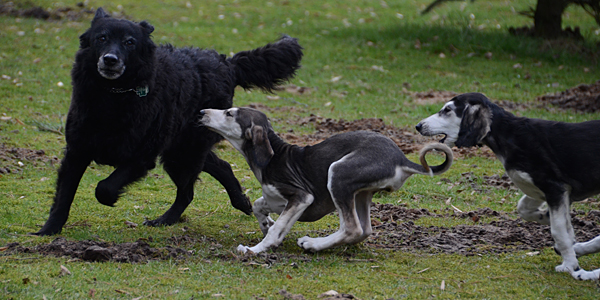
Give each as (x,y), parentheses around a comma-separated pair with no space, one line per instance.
(553,163)
(133,101)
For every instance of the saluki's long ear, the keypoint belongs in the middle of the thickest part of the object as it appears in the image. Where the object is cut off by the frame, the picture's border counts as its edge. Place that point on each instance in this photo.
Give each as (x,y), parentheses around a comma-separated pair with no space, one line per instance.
(261,152)
(474,126)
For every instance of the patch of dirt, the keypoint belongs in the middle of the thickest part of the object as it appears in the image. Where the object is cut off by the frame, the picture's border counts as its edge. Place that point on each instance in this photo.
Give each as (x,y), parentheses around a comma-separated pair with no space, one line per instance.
(136,252)
(583,98)
(27,9)
(396,231)
(12,160)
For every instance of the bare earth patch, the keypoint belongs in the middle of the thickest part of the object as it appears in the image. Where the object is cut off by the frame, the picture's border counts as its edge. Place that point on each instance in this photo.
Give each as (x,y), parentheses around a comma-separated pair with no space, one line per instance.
(12,160)
(584,98)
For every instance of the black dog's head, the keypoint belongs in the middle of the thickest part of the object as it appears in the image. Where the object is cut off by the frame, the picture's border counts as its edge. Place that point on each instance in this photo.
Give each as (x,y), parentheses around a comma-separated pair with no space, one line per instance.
(464,121)
(246,129)
(118,45)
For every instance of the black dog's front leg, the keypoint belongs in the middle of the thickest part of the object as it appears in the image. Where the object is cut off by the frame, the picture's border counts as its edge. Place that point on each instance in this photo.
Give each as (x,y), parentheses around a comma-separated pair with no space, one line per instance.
(221,171)
(109,189)
(69,175)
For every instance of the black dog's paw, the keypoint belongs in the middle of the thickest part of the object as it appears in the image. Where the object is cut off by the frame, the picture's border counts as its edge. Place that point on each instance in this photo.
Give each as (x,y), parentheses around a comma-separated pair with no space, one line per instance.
(107,195)
(165,220)
(243,204)
(46,232)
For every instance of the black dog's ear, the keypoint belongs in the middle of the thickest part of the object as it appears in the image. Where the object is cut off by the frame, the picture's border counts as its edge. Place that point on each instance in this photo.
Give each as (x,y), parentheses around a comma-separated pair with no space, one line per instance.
(148,29)
(261,147)
(100,14)
(84,40)
(474,126)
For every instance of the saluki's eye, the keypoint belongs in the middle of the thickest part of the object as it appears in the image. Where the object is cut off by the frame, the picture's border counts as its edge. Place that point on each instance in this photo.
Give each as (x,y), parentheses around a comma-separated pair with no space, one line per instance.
(228,113)
(446,109)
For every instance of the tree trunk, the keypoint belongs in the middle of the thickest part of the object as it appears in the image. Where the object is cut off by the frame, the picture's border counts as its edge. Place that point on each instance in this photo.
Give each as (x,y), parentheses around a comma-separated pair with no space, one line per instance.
(548,18)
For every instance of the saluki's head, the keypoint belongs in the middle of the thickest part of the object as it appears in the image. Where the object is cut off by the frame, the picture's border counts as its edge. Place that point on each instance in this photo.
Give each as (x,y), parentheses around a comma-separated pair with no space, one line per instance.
(245,128)
(464,121)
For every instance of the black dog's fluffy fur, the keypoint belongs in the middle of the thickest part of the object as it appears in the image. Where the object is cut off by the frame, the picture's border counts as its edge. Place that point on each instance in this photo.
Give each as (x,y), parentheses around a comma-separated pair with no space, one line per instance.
(112,121)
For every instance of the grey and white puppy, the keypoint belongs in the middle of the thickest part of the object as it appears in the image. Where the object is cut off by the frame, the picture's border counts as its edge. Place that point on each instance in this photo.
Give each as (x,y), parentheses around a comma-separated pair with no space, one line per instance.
(306,183)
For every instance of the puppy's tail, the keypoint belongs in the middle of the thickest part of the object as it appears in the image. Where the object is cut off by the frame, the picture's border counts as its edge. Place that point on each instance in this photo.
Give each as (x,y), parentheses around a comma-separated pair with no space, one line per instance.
(424,168)
(269,66)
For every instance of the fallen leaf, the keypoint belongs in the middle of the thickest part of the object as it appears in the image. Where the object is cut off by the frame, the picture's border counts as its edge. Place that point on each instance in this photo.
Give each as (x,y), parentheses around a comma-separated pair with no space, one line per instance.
(26,280)
(443,285)
(92,293)
(122,292)
(422,271)
(288,276)
(64,271)
(131,224)
(273,98)
(336,79)
(330,293)
(517,66)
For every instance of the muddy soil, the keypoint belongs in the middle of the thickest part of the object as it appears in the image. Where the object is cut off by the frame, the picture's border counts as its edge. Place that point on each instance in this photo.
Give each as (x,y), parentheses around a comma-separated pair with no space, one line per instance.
(26,9)
(13,160)
(583,98)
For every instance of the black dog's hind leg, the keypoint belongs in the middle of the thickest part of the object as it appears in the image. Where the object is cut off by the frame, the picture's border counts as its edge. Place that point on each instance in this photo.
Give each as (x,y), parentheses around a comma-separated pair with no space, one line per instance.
(221,171)
(109,189)
(184,174)
(69,175)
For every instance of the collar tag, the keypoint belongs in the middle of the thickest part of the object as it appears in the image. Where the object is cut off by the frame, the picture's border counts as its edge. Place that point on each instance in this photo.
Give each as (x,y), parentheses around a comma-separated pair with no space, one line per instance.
(142,91)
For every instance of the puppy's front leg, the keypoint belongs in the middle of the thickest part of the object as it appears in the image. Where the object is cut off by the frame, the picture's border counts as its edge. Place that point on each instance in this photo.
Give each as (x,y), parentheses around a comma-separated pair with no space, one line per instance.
(562,232)
(292,212)
(261,211)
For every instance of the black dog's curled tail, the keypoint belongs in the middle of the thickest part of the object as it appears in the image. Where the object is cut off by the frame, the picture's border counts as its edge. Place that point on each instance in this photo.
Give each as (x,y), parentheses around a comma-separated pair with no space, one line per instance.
(269,66)
(439,169)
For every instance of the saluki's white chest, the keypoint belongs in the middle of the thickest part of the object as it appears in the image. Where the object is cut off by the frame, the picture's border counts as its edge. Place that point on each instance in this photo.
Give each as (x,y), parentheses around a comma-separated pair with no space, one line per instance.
(274,199)
(525,183)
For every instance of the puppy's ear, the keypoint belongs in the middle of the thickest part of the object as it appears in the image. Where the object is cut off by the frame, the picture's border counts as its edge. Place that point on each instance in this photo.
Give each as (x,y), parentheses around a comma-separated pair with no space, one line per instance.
(261,147)
(148,29)
(474,126)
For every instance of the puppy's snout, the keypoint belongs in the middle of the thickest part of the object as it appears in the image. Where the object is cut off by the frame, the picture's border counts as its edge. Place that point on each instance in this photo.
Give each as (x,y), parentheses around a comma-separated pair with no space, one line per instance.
(110,59)
(419,127)
(202,113)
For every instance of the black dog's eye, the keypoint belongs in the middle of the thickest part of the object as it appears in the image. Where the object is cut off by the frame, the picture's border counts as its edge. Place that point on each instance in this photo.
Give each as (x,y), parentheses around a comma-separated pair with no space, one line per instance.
(101,38)
(227,113)
(129,42)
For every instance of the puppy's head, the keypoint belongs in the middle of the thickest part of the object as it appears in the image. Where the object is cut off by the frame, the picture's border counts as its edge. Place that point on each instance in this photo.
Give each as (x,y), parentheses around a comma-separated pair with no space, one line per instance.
(117,44)
(246,129)
(464,121)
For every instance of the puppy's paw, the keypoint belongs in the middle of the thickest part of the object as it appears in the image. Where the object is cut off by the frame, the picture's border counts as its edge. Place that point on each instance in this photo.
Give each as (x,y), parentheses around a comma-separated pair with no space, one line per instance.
(243,249)
(307,243)
(582,274)
(566,268)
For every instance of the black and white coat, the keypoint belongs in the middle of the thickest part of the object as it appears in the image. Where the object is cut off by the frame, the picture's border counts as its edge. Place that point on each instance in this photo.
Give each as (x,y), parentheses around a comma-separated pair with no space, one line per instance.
(552,163)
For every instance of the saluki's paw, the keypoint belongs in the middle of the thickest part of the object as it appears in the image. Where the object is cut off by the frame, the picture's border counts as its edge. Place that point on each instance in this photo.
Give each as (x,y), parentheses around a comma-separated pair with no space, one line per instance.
(582,274)
(566,268)
(307,243)
(243,249)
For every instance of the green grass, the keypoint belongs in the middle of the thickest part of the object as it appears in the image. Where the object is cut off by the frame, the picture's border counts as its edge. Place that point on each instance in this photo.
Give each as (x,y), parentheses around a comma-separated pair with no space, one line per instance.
(340,38)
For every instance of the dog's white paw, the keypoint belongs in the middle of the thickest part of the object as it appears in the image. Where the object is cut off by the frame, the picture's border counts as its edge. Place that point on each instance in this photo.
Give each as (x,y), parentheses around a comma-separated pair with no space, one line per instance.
(243,249)
(582,274)
(565,268)
(307,243)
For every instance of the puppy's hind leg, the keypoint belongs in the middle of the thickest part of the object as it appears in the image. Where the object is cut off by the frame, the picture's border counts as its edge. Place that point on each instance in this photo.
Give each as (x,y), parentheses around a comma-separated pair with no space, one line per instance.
(363,210)
(261,212)
(342,183)
(531,210)
(589,247)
